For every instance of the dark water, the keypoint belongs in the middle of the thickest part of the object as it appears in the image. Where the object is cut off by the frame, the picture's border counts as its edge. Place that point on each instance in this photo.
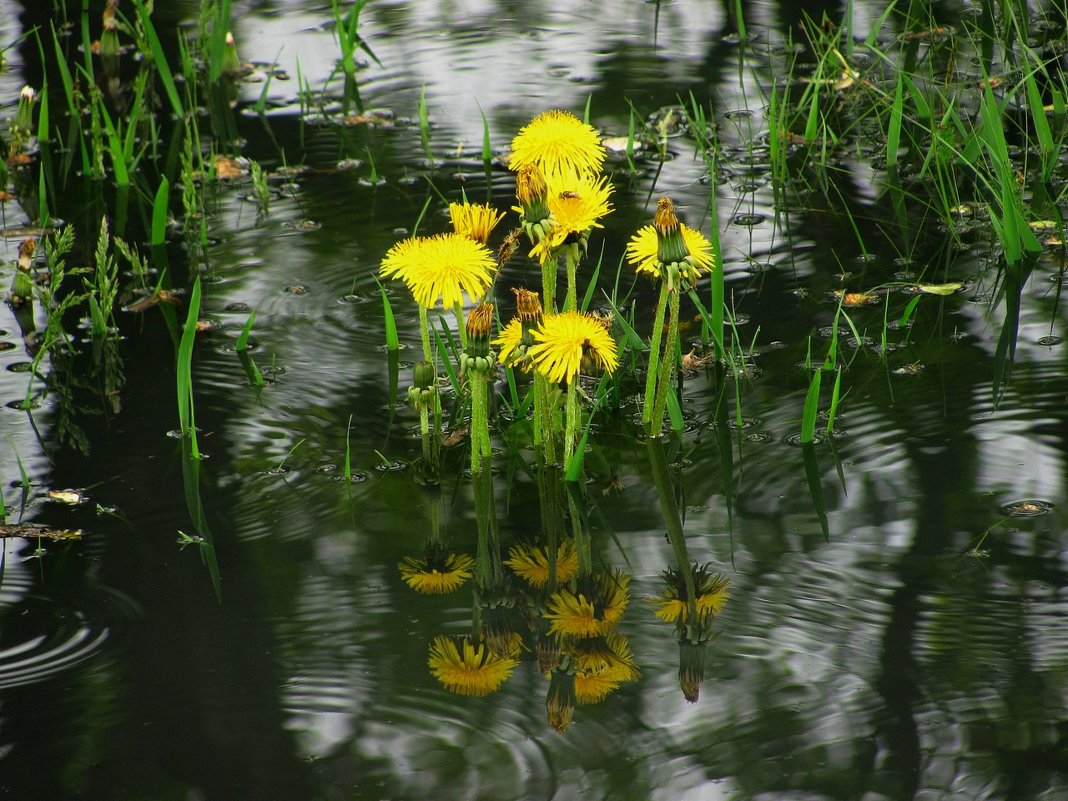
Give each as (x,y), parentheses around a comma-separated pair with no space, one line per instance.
(883,659)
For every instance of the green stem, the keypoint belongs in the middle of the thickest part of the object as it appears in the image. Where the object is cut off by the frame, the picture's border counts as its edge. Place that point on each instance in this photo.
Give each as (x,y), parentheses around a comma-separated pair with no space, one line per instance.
(424,331)
(479,421)
(544,414)
(572,415)
(667,365)
(571,265)
(654,354)
(548,283)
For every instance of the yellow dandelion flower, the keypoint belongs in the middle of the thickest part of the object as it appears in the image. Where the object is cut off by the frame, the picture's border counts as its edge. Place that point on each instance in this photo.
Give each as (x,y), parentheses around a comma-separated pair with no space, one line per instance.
(576,205)
(643,252)
(436,573)
(509,344)
(466,668)
(672,605)
(594,611)
(558,142)
(531,563)
(441,268)
(565,341)
(474,220)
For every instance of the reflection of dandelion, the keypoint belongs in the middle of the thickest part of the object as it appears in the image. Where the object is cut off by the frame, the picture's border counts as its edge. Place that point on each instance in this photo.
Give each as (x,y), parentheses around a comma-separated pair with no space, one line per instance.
(711,591)
(531,563)
(560,702)
(436,573)
(465,668)
(594,611)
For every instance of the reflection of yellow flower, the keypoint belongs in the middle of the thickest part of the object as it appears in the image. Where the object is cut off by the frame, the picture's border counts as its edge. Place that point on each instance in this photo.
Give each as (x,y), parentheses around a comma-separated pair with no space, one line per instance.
(594,611)
(531,562)
(575,206)
(560,702)
(436,573)
(602,665)
(610,654)
(565,340)
(711,589)
(468,669)
(557,142)
(643,252)
(475,220)
(441,267)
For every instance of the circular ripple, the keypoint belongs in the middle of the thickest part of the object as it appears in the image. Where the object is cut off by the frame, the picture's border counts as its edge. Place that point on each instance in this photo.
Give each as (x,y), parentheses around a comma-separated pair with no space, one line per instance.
(1028,507)
(53,637)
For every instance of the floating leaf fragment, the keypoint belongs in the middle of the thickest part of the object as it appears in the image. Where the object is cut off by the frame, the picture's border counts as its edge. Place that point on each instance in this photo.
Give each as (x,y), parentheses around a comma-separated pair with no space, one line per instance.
(35,531)
(940,289)
(227,168)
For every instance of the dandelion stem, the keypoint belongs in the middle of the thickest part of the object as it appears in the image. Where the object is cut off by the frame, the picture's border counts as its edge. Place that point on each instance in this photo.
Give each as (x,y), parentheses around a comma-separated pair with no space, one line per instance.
(548,283)
(424,331)
(571,423)
(571,264)
(654,355)
(479,420)
(667,365)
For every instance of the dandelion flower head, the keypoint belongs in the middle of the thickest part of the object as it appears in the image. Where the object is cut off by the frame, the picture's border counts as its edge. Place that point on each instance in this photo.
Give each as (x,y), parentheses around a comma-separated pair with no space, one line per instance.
(558,142)
(441,268)
(564,341)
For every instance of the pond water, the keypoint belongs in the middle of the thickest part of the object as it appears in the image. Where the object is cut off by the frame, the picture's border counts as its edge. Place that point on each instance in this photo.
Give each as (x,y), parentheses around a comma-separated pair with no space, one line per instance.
(238,626)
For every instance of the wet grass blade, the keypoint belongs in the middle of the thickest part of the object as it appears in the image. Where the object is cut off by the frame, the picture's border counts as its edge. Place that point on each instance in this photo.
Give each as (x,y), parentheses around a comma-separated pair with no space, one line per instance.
(217,45)
(390,322)
(811,408)
(835,397)
(159,212)
(893,133)
(424,126)
(242,338)
(160,59)
(186,412)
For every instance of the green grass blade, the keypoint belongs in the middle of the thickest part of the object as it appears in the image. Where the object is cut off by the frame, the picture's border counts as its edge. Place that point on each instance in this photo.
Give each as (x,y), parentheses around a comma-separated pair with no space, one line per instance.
(835,395)
(160,59)
(392,340)
(186,414)
(893,134)
(115,149)
(242,338)
(159,212)
(812,403)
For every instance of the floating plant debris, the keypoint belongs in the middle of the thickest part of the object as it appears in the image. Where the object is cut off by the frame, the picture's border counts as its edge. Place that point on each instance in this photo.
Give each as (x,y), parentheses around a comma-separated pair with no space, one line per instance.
(35,531)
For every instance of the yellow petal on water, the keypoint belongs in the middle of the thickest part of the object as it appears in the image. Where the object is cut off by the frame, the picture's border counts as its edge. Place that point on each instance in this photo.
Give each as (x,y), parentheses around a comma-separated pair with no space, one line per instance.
(72,497)
(940,289)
